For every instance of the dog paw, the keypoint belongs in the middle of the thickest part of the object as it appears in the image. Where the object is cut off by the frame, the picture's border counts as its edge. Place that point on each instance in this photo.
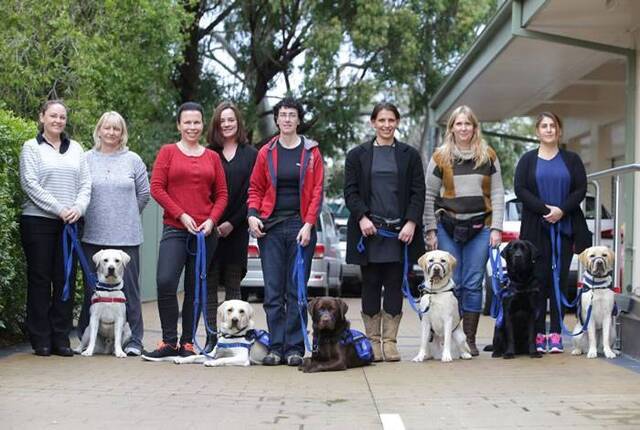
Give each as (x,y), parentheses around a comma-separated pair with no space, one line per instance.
(576,351)
(535,354)
(592,354)
(609,353)
(87,353)
(465,356)
(418,358)
(211,363)
(446,358)
(121,354)
(508,355)
(496,354)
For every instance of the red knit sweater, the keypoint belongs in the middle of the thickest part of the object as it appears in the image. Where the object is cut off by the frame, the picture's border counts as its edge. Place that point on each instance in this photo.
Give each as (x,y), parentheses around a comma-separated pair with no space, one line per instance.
(195,185)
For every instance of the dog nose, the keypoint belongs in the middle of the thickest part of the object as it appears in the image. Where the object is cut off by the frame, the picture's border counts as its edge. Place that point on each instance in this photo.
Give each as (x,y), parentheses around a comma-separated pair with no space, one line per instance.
(111,270)
(234,320)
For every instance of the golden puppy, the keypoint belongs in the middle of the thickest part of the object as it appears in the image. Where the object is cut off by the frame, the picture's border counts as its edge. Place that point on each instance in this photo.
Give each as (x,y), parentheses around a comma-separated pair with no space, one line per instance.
(597,293)
(440,310)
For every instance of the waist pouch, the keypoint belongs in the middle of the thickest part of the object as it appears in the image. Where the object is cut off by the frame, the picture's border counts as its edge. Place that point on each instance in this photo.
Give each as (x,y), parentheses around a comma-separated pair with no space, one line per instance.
(360,342)
(462,231)
(394,225)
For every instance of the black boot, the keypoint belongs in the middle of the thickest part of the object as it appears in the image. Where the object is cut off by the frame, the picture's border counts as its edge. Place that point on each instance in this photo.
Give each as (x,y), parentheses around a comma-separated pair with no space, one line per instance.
(212,341)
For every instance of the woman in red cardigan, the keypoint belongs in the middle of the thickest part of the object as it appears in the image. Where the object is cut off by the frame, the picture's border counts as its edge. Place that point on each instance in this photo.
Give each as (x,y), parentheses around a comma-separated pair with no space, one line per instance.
(188,181)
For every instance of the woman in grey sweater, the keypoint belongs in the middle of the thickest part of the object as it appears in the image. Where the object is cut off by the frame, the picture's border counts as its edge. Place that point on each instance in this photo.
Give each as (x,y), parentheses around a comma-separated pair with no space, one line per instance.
(119,193)
(57,186)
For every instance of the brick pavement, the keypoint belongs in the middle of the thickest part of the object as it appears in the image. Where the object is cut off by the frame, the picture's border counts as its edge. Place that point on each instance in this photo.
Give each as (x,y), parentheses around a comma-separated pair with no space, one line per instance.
(557,391)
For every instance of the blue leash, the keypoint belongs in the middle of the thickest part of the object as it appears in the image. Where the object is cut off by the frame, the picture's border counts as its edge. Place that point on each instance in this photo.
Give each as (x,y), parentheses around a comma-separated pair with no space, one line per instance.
(298,275)
(200,293)
(556,250)
(497,281)
(71,243)
(406,290)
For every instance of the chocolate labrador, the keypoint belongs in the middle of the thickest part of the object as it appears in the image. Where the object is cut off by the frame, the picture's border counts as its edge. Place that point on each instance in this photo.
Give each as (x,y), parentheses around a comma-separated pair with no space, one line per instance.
(333,348)
(517,335)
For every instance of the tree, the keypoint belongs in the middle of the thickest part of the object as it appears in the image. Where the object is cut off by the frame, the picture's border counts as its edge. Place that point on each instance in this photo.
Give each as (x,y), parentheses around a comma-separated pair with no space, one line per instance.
(98,56)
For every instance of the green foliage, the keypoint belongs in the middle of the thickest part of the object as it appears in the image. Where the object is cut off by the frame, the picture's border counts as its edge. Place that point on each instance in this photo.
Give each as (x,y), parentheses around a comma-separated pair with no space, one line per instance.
(97,56)
(13,133)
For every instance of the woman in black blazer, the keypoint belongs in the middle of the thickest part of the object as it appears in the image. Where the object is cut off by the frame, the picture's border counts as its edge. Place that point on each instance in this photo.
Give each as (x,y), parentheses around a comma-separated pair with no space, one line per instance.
(383,188)
(551,182)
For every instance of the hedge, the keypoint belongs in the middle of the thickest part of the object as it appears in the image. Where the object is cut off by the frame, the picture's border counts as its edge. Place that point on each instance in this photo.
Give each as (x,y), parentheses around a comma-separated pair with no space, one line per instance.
(13,292)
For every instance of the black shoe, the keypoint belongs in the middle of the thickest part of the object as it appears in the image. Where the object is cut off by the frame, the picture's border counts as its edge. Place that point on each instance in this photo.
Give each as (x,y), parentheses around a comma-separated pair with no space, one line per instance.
(62,351)
(42,351)
(212,341)
(272,359)
(186,350)
(164,352)
(294,360)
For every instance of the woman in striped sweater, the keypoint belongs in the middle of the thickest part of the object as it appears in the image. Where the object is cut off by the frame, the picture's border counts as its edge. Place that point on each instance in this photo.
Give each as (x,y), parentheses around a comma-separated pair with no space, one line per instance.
(57,186)
(464,207)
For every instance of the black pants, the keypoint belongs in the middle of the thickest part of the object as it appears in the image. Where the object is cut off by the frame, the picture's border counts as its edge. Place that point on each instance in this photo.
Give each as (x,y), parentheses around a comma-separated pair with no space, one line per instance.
(374,277)
(131,290)
(544,274)
(229,275)
(49,319)
(173,257)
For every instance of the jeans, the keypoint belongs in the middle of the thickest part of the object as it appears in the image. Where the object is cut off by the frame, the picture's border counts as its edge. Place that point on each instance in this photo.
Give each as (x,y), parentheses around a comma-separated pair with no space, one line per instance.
(471,260)
(131,290)
(174,256)
(278,252)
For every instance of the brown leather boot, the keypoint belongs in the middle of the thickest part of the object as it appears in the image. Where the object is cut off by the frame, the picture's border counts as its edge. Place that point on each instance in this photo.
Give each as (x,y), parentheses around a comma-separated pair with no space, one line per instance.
(390,327)
(470,326)
(372,330)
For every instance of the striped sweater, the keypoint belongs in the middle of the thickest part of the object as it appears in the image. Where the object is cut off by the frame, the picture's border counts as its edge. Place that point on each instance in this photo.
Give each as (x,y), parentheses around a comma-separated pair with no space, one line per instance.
(53,180)
(463,191)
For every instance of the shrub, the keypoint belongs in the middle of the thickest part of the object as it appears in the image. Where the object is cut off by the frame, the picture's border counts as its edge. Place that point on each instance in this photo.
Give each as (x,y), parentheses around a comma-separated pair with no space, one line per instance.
(13,287)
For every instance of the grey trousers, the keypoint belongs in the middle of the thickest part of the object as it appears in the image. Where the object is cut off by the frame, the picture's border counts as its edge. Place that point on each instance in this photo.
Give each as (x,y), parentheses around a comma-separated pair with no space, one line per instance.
(131,291)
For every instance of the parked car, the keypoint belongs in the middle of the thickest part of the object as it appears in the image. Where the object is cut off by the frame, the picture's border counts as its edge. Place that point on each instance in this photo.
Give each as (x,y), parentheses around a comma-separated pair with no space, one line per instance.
(326,265)
(511,231)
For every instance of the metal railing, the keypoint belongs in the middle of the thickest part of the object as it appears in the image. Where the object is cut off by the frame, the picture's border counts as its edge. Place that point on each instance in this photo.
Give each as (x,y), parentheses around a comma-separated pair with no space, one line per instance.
(616,173)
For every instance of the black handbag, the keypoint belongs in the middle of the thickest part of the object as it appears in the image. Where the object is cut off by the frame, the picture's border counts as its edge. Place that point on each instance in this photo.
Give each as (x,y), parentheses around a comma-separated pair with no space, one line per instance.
(462,231)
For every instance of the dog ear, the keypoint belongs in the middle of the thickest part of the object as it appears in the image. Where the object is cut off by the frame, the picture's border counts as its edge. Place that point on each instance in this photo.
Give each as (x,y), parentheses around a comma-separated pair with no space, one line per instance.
(583,259)
(535,254)
(312,304)
(222,315)
(343,308)
(125,258)
(452,262)
(97,256)
(422,261)
(506,251)
(250,311)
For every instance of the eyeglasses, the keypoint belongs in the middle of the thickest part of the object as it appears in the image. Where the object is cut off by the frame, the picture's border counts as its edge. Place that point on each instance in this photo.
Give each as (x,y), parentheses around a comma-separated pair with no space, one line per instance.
(284,115)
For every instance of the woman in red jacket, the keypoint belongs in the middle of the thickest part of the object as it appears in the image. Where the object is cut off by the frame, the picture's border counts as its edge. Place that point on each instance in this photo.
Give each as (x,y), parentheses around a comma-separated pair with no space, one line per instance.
(188,181)
(285,198)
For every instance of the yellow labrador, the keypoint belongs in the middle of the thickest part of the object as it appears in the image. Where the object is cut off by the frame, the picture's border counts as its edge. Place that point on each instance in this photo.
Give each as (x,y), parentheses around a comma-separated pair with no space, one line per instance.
(440,310)
(598,293)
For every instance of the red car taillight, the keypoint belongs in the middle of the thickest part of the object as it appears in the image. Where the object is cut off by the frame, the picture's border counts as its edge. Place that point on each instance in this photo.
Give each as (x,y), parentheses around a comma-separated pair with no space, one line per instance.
(508,236)
(253,251)
(318,252)
(607,234)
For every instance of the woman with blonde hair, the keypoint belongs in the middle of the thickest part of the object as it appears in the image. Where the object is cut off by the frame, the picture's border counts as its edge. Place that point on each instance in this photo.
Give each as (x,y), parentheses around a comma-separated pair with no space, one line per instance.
(119,193)
(464,207)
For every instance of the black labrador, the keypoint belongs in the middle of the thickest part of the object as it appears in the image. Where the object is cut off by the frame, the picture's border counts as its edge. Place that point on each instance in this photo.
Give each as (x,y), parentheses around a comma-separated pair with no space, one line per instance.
(517,335)
(330,326)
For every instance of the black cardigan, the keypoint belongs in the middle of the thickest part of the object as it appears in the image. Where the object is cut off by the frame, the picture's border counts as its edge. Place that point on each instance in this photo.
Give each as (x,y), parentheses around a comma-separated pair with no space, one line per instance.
(533,208)
(357,194)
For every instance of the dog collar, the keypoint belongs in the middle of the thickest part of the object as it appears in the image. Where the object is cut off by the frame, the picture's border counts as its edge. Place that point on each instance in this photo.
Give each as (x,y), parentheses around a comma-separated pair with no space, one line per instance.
(593,283)
(108,300)
(103,286)
(424,289)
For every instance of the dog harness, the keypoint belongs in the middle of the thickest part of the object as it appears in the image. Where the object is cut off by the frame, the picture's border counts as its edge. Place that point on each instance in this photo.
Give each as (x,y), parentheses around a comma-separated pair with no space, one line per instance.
(360,342)
(108,300)
(425,290)
(244,341)
(594,283)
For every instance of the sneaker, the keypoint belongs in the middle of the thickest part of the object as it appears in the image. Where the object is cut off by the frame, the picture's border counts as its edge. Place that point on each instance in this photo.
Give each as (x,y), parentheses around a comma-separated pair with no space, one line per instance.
(164,352)
(272,359)
(555,343)
(541,343)
(294,360)
(133,350)
(186,350)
